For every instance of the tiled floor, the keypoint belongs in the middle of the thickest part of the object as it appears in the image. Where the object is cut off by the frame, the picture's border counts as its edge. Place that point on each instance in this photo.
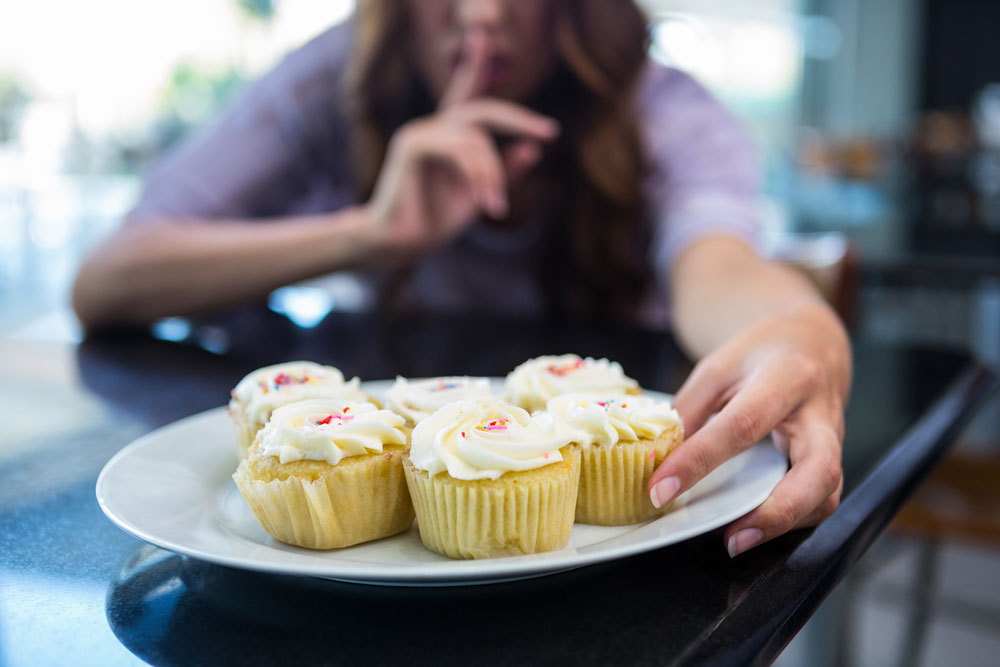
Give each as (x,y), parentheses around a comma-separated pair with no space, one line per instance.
(873,618)
(962,605)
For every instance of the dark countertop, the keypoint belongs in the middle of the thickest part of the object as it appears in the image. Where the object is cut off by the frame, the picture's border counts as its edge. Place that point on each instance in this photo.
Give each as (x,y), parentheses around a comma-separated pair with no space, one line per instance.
(74,588)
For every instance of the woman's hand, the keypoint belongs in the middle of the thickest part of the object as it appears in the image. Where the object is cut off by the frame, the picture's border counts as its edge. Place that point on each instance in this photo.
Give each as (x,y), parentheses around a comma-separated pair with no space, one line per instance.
(441,171)
(787,373)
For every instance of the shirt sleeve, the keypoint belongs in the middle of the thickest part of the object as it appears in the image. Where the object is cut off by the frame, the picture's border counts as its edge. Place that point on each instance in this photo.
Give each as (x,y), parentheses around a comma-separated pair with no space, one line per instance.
(266,153)
(703,175)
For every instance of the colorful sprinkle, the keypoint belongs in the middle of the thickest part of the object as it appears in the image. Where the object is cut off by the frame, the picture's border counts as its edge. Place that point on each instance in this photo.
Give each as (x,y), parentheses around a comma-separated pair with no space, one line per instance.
(284,380)
(445,386)
(494,425)
(337,419)
(564,369)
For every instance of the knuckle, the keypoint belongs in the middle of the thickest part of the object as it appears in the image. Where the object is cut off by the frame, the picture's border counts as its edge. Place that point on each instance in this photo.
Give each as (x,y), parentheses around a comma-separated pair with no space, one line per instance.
(709,367)
(470,139)
(809,369)
(839,427)
(746,425)
(697,464)
(834,473)
(829,506)
(407,136)
(784,514)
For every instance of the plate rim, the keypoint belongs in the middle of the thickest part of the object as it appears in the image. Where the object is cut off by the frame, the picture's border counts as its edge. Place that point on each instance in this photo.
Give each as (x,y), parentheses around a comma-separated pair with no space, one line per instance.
(444,573)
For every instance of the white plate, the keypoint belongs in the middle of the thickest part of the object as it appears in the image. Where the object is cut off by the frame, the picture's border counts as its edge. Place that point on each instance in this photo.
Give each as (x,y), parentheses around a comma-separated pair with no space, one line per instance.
(172,488)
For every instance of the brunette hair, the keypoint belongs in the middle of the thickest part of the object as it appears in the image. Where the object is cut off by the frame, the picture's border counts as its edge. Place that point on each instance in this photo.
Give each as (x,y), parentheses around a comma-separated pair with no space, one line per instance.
(588,183)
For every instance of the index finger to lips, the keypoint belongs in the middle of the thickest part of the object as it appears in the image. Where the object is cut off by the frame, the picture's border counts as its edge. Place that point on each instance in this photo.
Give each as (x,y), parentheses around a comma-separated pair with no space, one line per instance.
(744,421)
(469,77)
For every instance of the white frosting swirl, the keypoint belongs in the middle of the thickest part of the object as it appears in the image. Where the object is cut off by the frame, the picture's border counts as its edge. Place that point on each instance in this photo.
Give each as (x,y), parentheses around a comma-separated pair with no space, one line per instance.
(263,390)
(601,419)
(328,430)
(483,438)
(417,399)
(534,382)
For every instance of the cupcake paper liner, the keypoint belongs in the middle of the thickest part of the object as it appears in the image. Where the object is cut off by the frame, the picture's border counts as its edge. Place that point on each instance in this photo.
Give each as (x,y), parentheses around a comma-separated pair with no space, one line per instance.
(613,480)
(518,513)
(244,431)
(345,505)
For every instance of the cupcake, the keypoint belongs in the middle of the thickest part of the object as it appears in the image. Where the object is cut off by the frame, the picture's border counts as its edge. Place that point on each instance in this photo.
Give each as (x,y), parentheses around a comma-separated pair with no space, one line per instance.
(622,439)
(487,480)
(327,473)
(416,399)
(263,390)
(534,382)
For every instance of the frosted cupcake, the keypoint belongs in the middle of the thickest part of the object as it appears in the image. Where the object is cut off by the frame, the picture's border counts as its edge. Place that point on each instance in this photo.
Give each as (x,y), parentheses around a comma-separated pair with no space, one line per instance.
(487,480)
(265,389)
(534,382)
(622,440)
(416,399)
(328,473)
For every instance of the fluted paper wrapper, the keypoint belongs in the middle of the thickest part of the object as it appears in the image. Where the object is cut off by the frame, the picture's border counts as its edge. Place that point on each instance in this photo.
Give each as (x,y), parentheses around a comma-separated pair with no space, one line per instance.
(245,431)
(519,513)
(346,505)
(613,480)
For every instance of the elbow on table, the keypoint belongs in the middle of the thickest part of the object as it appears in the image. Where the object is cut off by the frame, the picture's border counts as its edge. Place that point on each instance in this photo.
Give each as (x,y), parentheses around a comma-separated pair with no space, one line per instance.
(93,300)
(106,293)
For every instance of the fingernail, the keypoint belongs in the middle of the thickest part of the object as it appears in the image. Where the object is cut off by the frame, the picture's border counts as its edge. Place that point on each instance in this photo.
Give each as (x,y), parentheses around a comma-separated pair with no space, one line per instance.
(664,491)
(745,539)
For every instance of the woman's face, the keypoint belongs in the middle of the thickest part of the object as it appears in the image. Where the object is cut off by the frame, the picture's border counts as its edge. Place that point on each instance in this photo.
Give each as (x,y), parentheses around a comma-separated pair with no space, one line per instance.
(516,36)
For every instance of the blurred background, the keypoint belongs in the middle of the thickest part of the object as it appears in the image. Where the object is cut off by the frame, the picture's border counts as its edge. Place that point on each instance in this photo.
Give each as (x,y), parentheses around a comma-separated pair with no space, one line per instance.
(878,123)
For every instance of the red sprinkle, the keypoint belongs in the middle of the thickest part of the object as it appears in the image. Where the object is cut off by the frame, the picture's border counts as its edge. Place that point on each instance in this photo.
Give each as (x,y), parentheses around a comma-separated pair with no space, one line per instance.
(565,369)
(326,420)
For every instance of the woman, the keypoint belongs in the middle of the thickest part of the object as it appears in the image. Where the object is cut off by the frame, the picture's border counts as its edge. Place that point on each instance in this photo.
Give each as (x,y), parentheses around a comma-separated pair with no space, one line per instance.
(520,154)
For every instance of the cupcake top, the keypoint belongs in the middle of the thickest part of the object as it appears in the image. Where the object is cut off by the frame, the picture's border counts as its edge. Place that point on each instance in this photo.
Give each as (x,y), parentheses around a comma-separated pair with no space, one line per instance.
(534,382)
(483,438)
(328,430)
(601,419)
(417,399)
(266,388)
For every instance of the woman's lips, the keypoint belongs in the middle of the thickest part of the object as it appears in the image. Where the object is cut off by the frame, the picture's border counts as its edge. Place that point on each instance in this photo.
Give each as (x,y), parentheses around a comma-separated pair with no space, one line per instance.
(497,67)
(496,71)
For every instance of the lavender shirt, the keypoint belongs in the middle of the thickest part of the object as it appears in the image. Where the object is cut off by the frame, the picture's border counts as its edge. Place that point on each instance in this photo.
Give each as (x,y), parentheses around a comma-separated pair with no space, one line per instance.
(284,148)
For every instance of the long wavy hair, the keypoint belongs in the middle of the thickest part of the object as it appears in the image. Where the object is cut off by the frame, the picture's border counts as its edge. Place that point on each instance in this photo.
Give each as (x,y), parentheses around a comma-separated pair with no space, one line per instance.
(587,184)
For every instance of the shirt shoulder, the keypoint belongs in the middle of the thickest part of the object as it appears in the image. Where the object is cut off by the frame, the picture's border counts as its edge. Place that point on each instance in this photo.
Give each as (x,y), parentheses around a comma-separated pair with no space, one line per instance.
(679,116)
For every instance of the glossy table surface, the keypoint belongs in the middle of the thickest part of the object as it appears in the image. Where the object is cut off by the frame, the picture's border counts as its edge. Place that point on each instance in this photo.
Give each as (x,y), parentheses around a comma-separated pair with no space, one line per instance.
(74,589)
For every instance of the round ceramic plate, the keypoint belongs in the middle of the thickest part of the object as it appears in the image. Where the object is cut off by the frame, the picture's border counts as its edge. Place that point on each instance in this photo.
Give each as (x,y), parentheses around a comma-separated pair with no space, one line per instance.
(173,488)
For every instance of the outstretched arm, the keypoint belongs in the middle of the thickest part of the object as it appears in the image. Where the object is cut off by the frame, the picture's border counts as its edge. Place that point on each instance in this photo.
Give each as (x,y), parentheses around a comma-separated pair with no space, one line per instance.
(773,358)
(166,267)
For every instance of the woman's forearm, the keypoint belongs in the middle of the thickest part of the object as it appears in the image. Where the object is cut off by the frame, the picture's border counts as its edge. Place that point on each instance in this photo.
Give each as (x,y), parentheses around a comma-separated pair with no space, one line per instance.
(167,267)
(721,288)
